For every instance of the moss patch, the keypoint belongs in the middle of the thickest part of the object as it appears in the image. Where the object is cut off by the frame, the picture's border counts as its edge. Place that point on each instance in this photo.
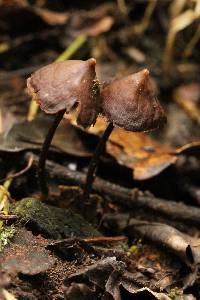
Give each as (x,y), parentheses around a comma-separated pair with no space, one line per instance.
(6,233)
(52,221)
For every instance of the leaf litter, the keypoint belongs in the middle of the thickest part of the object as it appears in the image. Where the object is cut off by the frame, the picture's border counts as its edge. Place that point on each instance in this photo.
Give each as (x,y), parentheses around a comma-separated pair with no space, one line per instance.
(160,258)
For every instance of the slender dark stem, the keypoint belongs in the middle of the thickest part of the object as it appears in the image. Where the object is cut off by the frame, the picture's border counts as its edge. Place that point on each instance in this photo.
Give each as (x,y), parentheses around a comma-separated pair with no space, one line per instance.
(43,154)
(95,161)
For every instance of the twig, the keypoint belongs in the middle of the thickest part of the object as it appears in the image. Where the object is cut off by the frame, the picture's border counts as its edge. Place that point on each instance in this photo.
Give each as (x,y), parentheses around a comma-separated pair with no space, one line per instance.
(73,47)
(91,239)
(131,198)
(21,172)
(4,198)
(7,217)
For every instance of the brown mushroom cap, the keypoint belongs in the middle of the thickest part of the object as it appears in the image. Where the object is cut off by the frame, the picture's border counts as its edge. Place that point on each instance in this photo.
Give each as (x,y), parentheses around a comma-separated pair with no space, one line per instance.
(130,103)
(62,85)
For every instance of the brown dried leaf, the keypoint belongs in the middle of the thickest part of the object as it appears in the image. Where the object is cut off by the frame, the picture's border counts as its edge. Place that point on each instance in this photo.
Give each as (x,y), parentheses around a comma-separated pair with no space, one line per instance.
(110,275)
(145,293)
(130,103)
(51,17)
(100,26)
(26,254)
(30,135)
(188,97)
(137,151)
(63,85)
(187,248)
(48,16)
(79,291)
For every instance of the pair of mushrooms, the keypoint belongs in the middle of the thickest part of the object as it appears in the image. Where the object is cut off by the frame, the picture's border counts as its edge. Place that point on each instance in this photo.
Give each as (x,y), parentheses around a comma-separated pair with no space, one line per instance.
(128,103)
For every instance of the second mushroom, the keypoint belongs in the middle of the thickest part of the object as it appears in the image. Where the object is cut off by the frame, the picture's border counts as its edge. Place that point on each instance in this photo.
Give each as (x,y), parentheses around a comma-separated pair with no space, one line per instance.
(129,103)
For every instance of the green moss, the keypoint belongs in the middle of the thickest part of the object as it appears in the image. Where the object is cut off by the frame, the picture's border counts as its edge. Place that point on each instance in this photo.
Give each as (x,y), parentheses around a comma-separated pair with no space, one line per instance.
(174,292)
(52,221)
(6,233)
(135,247)
(95,88)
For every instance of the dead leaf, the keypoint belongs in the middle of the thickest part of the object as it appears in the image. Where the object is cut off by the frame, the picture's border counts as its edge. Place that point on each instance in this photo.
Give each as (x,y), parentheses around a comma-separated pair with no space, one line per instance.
(99,273)
(30,135)
(109,274)
(26,254)
(180,129)
(187,248)
(78,291)
(100,26)
(145,293)
(188,97)
(52,17)
(95,21)
(138,151)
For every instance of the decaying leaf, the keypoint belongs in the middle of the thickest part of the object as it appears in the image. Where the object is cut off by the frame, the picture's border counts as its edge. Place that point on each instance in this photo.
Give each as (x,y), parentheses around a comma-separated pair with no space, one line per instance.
(145,293)
(48,16)
(180,129)
(51,17)
(98,273)
(30,135)
(26,254)
(188,97)
(100,26)
(138,151)
(79,291)
(109,276)
(94,22)
(187,248)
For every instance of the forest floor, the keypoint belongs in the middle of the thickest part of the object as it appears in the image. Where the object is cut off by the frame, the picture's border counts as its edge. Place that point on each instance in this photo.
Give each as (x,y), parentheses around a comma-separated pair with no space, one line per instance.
(138,235)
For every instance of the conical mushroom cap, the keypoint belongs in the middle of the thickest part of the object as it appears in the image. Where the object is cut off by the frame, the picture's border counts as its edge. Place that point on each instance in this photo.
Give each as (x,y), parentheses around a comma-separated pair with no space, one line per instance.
(130,103)
(63,85)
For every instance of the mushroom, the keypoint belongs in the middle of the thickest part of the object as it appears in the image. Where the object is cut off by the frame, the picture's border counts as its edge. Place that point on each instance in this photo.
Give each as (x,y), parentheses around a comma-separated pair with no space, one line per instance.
(58,88)
(128,103)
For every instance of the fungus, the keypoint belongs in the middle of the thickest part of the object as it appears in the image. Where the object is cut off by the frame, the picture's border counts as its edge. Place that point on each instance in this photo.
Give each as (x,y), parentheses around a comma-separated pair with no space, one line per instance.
(128,103)
(58,88)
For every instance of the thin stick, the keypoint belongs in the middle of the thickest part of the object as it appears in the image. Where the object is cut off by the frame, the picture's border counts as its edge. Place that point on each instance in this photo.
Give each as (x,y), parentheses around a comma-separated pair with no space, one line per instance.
(43,154)
(131,198)
(21,172)
(4,198)
(73,47)
(7,217)
(95,161)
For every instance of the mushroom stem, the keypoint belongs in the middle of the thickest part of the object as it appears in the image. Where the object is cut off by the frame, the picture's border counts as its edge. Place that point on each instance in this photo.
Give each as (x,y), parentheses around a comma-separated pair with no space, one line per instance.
(95,161)
(44,152)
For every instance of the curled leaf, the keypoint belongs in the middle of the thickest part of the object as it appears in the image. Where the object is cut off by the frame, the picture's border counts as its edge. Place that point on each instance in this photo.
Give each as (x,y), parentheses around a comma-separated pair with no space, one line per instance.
(130,103)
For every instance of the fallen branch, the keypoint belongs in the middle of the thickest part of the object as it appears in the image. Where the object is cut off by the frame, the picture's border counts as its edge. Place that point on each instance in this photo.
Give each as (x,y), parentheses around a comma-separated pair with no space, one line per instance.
(127,197)
(7,217)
